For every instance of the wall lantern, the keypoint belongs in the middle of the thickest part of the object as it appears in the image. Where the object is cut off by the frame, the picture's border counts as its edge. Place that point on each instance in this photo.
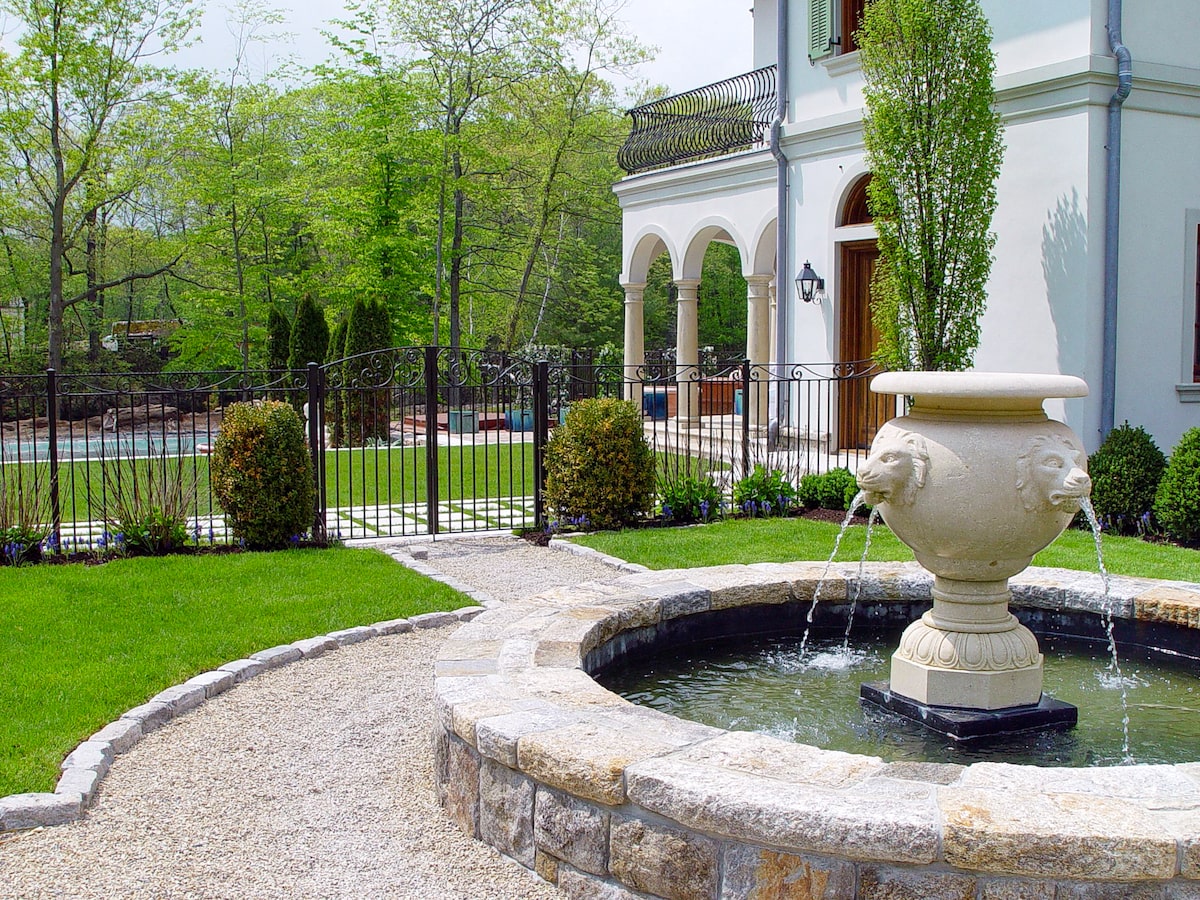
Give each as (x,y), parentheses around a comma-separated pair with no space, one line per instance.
(809,285)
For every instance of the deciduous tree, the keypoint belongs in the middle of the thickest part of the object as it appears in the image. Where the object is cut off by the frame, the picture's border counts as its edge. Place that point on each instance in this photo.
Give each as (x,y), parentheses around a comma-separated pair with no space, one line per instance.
(81,69)
(933,143)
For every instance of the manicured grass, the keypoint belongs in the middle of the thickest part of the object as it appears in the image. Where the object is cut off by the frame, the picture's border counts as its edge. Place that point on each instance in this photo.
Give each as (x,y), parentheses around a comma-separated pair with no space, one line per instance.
(79,645)
(366,475)
(362,475)
(783,540)
(1122,556)
(742,541)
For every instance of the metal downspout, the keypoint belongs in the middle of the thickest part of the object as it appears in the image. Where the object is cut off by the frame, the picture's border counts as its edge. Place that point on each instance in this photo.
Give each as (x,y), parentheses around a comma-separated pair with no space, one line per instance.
(1112,219)
(781,218)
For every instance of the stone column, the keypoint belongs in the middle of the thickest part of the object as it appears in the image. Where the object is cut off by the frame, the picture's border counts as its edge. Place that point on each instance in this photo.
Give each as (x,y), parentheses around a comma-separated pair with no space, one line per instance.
(758,348)
(687,353)
(635,341)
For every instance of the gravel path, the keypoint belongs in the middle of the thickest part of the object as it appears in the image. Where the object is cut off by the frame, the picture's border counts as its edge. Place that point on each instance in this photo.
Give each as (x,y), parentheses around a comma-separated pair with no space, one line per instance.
(314,780)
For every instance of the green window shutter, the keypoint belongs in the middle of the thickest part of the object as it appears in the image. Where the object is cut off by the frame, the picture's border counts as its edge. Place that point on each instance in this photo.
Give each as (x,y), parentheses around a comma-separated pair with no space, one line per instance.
(820,28)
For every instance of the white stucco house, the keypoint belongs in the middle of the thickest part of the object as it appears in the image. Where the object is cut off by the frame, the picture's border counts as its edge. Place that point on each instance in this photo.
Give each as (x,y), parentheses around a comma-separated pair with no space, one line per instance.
(1098,224)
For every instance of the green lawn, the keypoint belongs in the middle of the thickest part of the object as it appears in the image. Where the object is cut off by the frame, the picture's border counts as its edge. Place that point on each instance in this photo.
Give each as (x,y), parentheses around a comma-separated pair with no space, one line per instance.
(494,469)
(784,540)
(361,475)
(79,645)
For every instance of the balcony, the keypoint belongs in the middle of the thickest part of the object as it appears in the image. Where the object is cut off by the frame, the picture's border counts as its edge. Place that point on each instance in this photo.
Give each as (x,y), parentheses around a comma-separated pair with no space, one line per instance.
(715,120)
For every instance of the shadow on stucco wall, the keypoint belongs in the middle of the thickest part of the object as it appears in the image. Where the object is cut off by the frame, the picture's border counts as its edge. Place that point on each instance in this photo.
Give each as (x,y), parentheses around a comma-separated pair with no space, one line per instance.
(1064,266)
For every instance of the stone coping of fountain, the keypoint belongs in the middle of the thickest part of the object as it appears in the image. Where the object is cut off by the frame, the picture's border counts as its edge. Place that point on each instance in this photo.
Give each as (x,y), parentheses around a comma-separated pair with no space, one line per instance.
(980,385)
(610,799)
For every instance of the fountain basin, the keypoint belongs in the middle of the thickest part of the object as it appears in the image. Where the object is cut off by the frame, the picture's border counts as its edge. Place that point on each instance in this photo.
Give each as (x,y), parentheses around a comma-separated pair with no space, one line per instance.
(604,797)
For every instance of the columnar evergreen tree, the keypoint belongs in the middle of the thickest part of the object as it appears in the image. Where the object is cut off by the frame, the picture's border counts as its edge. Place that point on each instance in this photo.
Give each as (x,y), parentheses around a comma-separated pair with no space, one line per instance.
(279,339)
(310,335)
(336,373)
(933,143)
(367,414)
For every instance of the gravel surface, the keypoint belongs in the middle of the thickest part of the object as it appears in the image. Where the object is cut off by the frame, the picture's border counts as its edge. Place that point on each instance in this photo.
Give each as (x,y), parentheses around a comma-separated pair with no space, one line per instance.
(313,780)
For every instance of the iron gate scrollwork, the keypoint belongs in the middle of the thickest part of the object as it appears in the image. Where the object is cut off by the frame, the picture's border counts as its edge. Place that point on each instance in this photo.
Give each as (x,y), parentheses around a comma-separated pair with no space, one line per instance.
(425,440)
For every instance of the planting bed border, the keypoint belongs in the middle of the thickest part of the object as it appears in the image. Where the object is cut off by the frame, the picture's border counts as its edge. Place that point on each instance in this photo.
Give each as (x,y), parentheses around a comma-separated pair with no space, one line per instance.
(611,800)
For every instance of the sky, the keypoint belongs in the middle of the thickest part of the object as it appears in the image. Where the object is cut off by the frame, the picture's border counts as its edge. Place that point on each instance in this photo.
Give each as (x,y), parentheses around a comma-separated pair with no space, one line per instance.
(699,41)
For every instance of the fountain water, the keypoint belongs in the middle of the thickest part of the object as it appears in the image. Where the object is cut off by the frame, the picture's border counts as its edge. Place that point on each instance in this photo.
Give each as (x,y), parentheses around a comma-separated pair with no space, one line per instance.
(862,561)
(1118,679)
(837,544)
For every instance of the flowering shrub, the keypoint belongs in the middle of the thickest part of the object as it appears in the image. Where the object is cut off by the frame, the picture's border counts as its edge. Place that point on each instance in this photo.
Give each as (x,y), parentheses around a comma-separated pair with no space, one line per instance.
(764,493)
(146,503)
(686,498)
(262,474)
(599,465)
(24,513)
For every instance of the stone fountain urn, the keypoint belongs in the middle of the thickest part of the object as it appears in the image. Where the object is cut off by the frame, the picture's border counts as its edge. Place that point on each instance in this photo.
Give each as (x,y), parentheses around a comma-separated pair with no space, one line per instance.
(976,479)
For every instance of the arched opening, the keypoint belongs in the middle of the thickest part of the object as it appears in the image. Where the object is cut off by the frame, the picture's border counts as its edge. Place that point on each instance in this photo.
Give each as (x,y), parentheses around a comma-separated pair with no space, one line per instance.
(854,209)
(722,303)
(860,412)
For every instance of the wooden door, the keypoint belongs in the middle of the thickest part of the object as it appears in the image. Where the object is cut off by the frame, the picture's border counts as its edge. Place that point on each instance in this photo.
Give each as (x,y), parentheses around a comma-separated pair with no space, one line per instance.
(860,412)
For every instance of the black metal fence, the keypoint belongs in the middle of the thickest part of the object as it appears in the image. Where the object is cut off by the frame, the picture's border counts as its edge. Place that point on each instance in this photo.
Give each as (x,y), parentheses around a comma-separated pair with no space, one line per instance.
(416,440)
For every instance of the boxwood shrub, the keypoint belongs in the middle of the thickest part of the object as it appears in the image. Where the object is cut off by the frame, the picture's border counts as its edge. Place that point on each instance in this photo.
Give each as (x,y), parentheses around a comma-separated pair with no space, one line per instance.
(1125,472)
(599,467)
(1177,502)
(262,474)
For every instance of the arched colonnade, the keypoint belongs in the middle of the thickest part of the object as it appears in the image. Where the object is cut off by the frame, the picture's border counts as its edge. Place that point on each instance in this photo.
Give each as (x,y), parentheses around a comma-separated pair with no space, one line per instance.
(756,248)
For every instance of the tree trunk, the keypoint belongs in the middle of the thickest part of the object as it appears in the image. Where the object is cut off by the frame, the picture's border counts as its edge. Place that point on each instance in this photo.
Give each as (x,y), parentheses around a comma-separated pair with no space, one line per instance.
(95,297)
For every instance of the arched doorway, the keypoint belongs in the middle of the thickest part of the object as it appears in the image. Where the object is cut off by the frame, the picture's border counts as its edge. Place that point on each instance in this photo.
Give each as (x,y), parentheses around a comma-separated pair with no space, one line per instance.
(860,412)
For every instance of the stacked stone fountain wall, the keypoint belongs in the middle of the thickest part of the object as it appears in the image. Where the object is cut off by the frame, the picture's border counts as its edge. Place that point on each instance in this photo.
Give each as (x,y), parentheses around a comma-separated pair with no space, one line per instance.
(607,799)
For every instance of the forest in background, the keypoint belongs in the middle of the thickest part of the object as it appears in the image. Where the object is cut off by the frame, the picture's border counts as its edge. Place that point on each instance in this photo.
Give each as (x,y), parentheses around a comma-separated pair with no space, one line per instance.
(454,165)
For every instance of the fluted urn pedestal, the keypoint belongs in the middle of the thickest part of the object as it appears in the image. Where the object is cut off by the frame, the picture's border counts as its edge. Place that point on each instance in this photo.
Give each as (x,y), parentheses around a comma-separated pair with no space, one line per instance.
(976,479)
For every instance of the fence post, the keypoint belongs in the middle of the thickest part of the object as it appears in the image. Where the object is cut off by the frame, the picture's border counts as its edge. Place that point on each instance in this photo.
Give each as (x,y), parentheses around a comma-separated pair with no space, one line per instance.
(52,418)
(541,431)
(746,401)
(431,431)
(316,448)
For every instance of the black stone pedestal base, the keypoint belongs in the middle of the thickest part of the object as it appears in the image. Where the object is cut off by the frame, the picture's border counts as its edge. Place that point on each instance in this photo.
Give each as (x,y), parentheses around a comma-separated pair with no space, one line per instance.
(968,724)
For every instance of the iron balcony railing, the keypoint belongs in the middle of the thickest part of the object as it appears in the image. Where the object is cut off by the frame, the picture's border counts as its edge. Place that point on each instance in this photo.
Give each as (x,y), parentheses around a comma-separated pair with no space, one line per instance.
(714,120)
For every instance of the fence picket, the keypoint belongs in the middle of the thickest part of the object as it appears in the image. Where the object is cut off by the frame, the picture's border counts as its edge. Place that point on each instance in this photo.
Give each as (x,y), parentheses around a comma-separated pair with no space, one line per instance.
(476,474)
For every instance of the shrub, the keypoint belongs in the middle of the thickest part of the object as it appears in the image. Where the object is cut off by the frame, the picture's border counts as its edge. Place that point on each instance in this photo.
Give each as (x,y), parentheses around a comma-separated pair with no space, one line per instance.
(309,339)
(764,492)
(809,491)
(1125,473)
(24,513)
(309,342)
(686,498)
(262,474)
(599,465)
(837,489)
(1177,502)
(335,415)
(146,504)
